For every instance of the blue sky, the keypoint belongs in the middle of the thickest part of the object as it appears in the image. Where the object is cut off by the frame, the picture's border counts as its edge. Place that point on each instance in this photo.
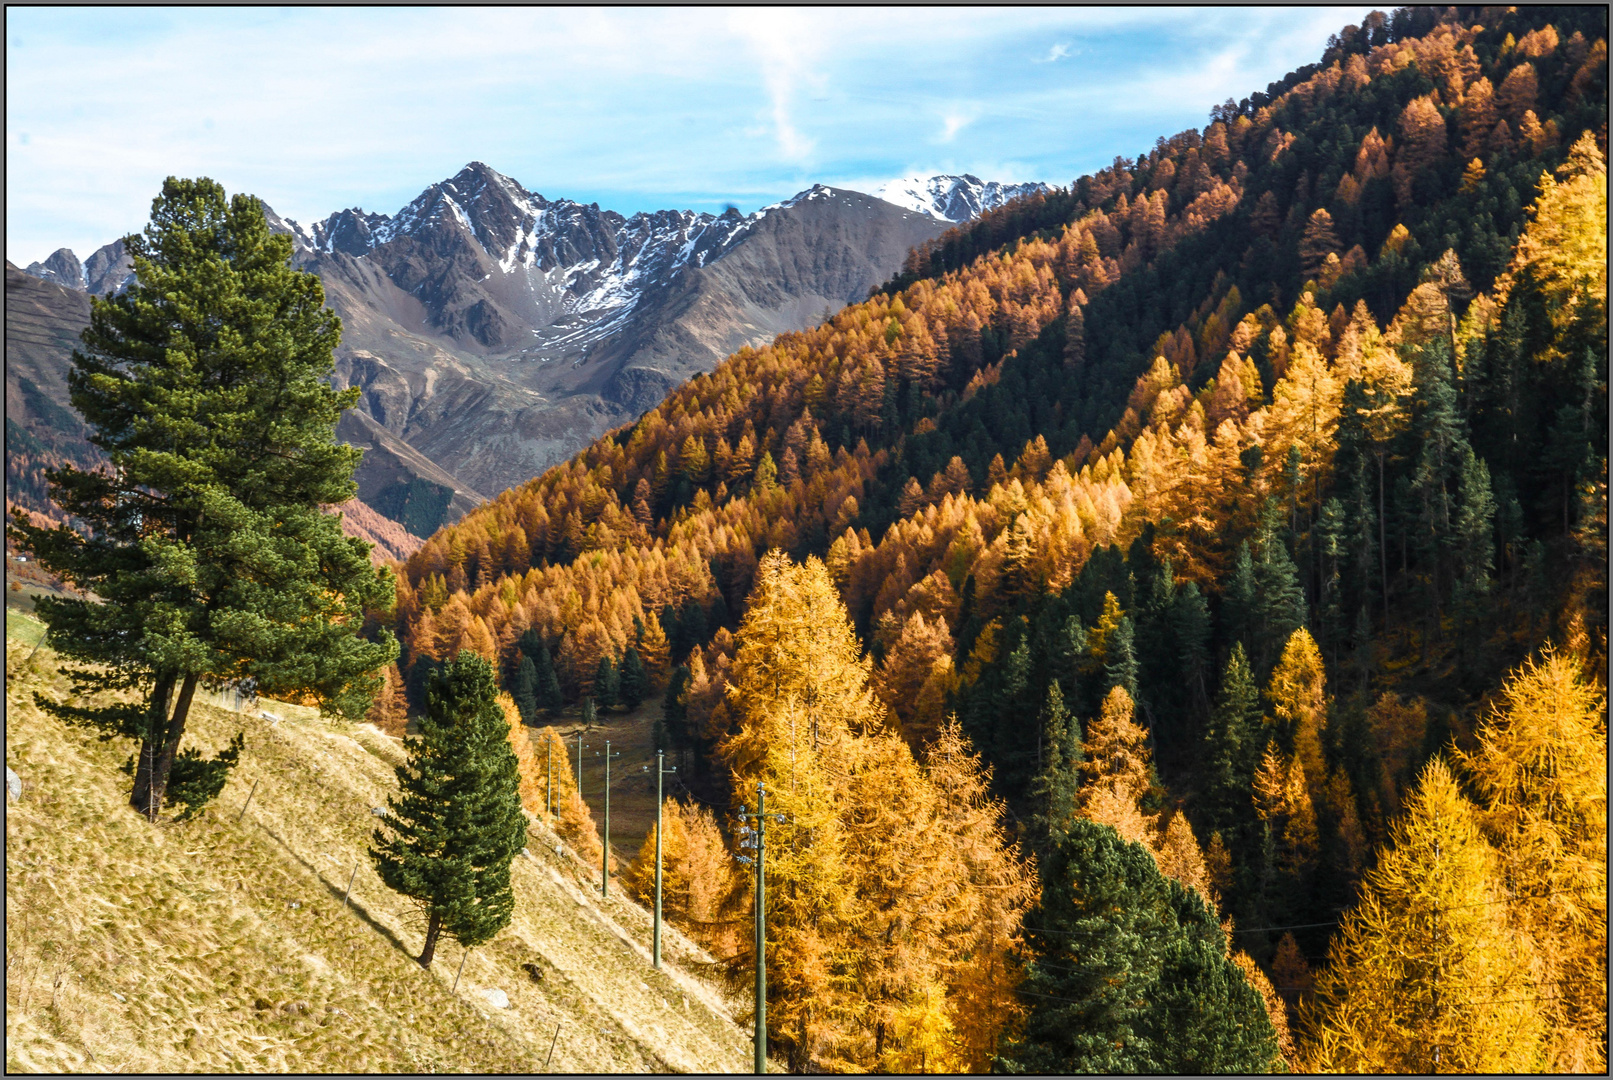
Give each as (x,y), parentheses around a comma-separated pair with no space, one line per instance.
(315,110)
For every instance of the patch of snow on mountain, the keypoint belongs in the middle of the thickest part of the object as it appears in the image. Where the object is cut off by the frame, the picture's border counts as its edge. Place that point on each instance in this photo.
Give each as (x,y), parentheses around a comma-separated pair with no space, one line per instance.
(953,198)
(910,193)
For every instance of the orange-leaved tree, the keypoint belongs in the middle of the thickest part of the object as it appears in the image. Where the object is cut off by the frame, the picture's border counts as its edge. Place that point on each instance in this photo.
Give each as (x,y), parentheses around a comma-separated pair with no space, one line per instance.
(1541,768)
(1425,975)
(874,920)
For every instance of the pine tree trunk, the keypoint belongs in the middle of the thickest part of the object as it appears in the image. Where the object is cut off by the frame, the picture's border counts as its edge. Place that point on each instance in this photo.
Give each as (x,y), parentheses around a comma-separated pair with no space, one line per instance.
(170,746)
(162,761)
(1383,547)
(150,747)
(433,928)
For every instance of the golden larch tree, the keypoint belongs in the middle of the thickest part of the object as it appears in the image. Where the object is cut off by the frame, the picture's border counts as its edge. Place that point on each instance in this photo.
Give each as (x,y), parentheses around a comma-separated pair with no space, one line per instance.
(1298,695)
(993,888)
(1424,975)
(1541,768)
(571,817)
(797,697)
(698,875)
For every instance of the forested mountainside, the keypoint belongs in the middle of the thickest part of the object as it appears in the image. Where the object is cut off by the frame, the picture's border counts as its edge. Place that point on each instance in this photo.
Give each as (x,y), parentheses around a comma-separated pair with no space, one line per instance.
(1216,496)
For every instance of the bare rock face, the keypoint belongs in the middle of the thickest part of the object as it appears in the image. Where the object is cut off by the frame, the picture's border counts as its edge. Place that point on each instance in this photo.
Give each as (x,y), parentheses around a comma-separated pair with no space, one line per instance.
(494,332)
(43,321)
(497,331)
(61,268)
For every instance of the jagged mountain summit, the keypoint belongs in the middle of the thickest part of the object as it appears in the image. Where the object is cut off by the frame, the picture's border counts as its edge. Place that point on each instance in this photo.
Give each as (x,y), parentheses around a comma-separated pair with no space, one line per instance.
(106,271)
(495,331)
(954,199)
(493,262)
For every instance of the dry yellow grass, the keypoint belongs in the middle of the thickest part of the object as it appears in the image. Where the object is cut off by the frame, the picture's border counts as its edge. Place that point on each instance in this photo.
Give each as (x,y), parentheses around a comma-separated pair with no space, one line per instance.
(222,945)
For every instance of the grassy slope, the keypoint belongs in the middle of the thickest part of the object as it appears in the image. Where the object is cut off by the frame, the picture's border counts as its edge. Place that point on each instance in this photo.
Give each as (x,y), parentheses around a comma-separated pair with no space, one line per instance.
(222,945)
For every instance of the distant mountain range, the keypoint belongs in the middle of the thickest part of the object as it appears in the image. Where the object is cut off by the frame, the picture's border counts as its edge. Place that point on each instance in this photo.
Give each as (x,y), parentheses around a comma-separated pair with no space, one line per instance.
(494,331)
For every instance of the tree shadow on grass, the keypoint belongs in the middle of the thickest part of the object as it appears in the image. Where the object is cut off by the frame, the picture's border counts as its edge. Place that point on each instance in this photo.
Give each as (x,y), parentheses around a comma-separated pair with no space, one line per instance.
(338,891)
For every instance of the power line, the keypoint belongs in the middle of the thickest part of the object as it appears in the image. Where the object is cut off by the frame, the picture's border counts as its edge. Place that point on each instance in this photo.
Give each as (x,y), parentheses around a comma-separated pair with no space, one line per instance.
(1296,926)
(1253,930)
(1137,1008)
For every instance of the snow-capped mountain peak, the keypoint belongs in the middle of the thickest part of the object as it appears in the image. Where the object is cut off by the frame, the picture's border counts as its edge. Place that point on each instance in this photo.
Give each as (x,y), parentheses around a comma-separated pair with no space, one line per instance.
(953,198)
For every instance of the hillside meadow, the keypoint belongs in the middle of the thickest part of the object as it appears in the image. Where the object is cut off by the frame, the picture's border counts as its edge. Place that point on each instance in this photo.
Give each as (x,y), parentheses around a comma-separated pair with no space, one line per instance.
(223,944)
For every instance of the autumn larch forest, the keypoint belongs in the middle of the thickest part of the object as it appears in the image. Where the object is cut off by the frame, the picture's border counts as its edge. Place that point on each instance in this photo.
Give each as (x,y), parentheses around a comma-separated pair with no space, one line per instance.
(1170,615)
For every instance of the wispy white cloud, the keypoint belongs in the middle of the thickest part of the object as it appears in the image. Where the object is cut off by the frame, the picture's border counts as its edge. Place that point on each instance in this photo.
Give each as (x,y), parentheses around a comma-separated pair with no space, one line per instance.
(955,120)
(782,42)
(315,109)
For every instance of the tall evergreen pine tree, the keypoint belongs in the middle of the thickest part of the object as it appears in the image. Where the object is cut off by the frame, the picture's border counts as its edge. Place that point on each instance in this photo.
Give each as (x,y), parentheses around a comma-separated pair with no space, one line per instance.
(1238,616)
(1129,971)
(456,823)
(607,683)
(524,689)
(634,681)
(1279,602)
(206,543)
(1233,745)
(1121,668)
(1475,555)
(1054,790)
(549,694)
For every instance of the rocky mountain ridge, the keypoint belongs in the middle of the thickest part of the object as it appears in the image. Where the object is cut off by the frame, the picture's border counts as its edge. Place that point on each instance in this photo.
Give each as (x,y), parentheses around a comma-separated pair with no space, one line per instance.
(494,331)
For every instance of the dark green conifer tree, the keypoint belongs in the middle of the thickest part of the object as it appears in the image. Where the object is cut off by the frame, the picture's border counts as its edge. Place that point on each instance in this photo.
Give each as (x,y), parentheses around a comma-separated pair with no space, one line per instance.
(607,682)
(1238,601)
(524,689)
(206,542)
(456,823)
(1441,438)
(549,695)
(1233,744)
(1121,668)
(1291,481)
(1129,971)
(1363,656)
(1279,607)
(1190,636)
(1069,647)
(634,680)
(692,627)
(719,611)
(1360,465)
(529,644)
(1330,548)
(673,733)
(1058,779)
(1475,557)
(672,625)
(1155,647)
(1007,698)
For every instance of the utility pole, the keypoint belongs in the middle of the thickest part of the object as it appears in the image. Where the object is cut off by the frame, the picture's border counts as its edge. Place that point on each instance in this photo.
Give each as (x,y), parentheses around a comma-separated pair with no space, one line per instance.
(548,791)
(1437,963)
(758,839)
(604,886)
(660,771)
(761,931)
